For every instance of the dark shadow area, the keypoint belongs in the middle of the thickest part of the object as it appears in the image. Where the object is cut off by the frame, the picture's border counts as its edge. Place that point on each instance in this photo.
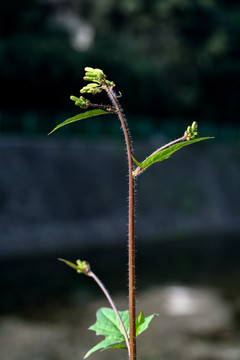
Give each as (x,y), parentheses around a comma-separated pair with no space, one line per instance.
(42,281)
(169,59)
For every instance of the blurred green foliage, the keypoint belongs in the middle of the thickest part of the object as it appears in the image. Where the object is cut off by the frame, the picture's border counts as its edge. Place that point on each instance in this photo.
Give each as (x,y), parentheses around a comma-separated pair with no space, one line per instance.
(169,58)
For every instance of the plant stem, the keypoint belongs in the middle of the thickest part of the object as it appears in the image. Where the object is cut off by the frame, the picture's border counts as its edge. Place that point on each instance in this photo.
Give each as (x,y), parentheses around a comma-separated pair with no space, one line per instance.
(131,240)
(106,293)
(104,107)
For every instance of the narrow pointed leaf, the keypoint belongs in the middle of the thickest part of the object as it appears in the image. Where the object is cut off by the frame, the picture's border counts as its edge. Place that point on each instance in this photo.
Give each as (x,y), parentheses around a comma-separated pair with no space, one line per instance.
(82,116)
(137,163)
(166,153)
(69,263)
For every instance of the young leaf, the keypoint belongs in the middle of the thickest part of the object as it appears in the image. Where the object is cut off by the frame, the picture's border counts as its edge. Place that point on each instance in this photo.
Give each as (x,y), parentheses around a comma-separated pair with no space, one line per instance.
(108,325)
(81,266)
(165,153)
(69,263)
(137,163)
(82,116)
(142,323)
(139,321)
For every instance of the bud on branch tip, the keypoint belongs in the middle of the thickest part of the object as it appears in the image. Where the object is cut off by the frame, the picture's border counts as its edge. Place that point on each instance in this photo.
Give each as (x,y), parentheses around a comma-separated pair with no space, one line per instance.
(80,266)
(191,132)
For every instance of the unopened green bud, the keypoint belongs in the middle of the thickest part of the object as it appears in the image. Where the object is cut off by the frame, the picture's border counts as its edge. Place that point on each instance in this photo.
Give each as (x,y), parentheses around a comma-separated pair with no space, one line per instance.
(90,74)
(79,263)
(92,85)
(88,78)
(74,98)
(89,69)
(84,89)
(194,126)
(109,83)
(99,74)
(98,71)
(189,129)
(82,99)
(83,266)
(93,72)
(82,102)
(96,91)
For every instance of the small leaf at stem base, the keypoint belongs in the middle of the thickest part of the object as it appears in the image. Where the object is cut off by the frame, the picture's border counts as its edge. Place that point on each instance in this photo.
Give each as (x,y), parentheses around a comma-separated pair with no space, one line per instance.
(108,325)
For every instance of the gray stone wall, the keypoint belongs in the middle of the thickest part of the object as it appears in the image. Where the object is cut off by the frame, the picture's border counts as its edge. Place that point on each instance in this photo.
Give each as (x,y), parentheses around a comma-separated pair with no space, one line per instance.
(60,194)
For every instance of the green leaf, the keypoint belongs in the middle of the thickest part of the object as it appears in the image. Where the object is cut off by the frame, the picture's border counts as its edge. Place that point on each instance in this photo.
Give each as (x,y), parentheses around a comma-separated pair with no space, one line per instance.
(81,266)
(139,321)
(82,116)
(137,163)
(103,345)
(69,263)
(166,153)
(108,325)
(144,323)
(117,346)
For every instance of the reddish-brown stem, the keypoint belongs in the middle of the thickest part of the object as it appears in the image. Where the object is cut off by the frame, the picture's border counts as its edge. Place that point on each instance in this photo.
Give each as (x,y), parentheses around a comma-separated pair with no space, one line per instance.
(131,240)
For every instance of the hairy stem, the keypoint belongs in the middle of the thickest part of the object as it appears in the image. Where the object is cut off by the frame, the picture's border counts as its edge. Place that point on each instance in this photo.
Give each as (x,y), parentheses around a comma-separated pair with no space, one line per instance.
(104,107)
(131,240)
(106,293)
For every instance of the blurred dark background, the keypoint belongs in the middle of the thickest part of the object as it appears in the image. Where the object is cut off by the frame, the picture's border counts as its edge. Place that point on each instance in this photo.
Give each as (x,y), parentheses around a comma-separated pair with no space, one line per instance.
(65,195)
(170,59)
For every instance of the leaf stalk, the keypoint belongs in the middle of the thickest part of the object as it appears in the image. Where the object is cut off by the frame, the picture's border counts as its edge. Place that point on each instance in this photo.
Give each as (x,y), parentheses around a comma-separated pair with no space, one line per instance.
(113,306)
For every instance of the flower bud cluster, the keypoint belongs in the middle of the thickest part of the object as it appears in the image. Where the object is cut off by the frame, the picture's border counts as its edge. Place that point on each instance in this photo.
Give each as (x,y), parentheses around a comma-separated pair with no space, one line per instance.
(191,132)
(91,88)
(81,101)
(95,75)
(98,81)
(83,266)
